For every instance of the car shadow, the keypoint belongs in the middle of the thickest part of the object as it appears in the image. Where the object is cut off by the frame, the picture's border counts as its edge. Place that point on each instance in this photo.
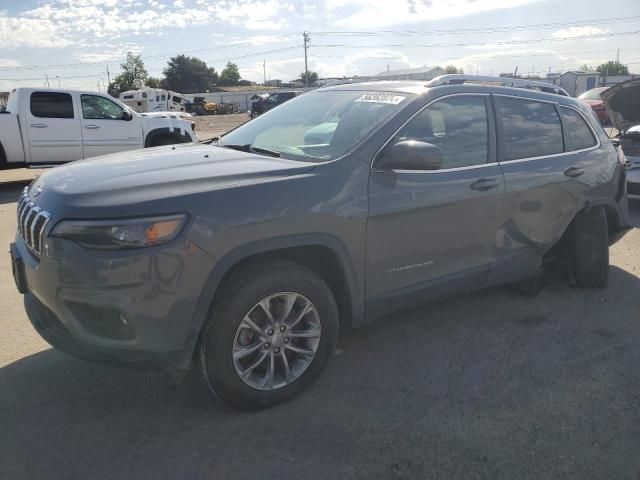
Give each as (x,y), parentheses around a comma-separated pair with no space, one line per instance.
(490,383)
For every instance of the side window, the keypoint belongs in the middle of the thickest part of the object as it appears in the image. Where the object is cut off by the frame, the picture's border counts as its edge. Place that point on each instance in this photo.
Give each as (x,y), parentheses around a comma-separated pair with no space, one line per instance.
(95,107)
(144,94)
(157,98)
(578,133)
(530,128)
(457,125)
(163,98)
(51,105)
(176,99)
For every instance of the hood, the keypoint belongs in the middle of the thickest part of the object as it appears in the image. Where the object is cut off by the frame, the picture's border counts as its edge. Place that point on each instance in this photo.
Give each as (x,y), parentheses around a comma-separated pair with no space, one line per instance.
(150,174)
(623,103)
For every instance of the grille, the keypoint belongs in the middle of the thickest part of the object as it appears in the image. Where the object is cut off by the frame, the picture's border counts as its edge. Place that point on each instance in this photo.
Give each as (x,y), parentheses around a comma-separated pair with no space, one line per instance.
(32,221)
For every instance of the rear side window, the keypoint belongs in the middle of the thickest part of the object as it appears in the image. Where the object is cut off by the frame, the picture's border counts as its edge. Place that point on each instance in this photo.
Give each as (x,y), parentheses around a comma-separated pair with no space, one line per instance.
(530,128)
(457,125)
(578,133)
(51,105)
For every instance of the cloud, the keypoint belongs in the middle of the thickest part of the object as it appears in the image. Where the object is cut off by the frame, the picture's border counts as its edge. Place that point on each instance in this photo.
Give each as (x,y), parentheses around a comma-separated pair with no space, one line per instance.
(9,62)
(374,14)
(64,23)
(573,32)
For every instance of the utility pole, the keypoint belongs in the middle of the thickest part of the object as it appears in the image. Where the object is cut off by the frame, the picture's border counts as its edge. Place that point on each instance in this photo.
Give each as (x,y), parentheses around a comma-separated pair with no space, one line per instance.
(108,78)
(305,37)
(47,77)
(618,56)
(59,86)
(264,71)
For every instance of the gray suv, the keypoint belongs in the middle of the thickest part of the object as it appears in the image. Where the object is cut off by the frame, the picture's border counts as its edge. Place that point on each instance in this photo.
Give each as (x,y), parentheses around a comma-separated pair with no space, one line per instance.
(247,257)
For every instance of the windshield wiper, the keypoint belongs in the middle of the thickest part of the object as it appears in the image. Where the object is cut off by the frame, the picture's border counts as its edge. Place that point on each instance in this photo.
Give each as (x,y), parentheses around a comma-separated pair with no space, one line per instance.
(251,149)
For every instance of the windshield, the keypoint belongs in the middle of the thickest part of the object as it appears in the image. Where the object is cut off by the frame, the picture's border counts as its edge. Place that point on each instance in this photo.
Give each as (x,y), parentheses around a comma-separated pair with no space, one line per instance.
(593,94)
(318,126)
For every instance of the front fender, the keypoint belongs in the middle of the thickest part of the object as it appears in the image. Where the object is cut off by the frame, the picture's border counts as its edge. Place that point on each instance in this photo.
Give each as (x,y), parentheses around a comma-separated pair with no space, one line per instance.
(225,264)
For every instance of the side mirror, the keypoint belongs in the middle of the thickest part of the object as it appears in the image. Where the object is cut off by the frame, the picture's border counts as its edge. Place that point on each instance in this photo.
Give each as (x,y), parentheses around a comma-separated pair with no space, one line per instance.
(412,155)
(127,116)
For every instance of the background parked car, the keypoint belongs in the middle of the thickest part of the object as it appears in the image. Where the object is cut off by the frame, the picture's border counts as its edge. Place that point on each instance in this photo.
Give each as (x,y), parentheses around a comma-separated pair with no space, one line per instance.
(623,103)
(593,98)
(264,104)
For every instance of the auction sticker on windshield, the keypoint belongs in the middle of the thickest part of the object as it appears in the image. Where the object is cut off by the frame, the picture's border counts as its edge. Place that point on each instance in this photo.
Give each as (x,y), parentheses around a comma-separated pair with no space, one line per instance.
(381,98)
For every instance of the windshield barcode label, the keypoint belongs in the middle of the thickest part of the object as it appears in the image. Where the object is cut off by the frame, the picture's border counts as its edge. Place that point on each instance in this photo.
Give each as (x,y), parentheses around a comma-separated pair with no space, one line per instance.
(377,98)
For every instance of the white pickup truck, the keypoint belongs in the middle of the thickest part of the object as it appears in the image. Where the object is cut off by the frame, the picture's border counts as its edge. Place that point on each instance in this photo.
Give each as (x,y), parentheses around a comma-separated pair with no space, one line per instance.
(44,127)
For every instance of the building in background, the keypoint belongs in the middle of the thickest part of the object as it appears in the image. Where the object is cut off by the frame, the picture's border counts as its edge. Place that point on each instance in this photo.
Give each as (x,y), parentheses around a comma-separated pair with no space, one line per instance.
(273,83)
(422,73)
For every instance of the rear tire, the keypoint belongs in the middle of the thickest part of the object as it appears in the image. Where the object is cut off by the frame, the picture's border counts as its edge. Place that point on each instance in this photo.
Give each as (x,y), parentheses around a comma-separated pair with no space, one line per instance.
(284,372)
(589,248)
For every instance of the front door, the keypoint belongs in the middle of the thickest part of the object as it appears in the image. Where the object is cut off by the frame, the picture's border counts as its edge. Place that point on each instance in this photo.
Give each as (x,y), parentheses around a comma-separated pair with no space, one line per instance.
(431,225)
(106,128)
(53,128)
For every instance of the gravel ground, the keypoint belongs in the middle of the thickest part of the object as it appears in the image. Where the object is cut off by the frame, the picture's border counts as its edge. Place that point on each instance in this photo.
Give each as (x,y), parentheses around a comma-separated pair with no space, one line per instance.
(489,385)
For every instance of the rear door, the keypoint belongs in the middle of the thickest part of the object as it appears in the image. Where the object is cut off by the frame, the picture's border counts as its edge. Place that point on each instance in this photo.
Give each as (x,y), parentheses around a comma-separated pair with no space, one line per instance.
(439,225)
(106,128)
(53,128)
(545,179)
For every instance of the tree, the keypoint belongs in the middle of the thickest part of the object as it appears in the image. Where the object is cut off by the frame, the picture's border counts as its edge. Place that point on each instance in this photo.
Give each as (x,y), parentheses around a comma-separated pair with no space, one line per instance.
(189,75)
(453,69)
(153,82)
(613,67)
(230,75)
(132,76)
(312,77)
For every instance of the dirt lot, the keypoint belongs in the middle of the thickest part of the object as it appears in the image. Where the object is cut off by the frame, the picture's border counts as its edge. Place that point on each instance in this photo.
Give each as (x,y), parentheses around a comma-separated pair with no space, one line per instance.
(490,385)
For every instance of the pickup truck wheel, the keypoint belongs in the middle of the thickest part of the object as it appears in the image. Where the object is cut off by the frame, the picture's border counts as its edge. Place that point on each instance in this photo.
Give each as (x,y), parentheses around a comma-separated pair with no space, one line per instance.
(160,141)
(270,334)
(589,248)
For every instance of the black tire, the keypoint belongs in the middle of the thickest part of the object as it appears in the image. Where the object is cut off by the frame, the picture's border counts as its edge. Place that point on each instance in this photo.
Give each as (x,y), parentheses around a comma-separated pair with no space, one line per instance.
(164,140)
(238,296)
(589,248)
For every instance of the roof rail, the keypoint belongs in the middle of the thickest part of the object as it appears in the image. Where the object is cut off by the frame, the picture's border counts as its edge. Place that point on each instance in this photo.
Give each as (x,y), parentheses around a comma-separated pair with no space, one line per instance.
(458,79)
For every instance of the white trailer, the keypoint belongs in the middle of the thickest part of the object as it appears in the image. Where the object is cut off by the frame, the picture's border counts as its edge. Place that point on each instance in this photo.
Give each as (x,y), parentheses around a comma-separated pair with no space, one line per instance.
(154,100)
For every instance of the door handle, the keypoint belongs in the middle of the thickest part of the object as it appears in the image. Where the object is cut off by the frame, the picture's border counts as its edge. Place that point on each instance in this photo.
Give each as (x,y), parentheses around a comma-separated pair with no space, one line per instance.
(485,184)
(573,172)
(91,127)
(39,125)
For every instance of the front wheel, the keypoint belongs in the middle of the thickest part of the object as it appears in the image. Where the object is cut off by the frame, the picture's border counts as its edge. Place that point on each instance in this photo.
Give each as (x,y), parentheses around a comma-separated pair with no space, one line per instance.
(270,334)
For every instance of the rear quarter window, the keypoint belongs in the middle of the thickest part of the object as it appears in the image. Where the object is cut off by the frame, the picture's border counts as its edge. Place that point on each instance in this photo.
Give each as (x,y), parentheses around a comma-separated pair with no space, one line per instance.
(51,105)
(529,128)
(579,135)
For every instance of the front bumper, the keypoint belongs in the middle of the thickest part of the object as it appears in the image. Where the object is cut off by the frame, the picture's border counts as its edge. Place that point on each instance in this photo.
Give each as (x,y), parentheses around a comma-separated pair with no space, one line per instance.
(129,307)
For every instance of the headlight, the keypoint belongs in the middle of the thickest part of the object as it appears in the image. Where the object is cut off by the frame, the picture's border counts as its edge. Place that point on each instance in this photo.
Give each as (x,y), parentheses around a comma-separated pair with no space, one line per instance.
(113,234)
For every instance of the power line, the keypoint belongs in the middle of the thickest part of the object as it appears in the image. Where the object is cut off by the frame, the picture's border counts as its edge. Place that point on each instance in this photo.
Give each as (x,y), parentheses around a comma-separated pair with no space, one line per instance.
(483,56)
(486,29)
(265,52)
(479,44)
(101,63)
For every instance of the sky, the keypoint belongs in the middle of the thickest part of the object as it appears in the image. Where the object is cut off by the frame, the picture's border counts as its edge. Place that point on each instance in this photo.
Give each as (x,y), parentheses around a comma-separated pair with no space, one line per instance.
(74,42)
